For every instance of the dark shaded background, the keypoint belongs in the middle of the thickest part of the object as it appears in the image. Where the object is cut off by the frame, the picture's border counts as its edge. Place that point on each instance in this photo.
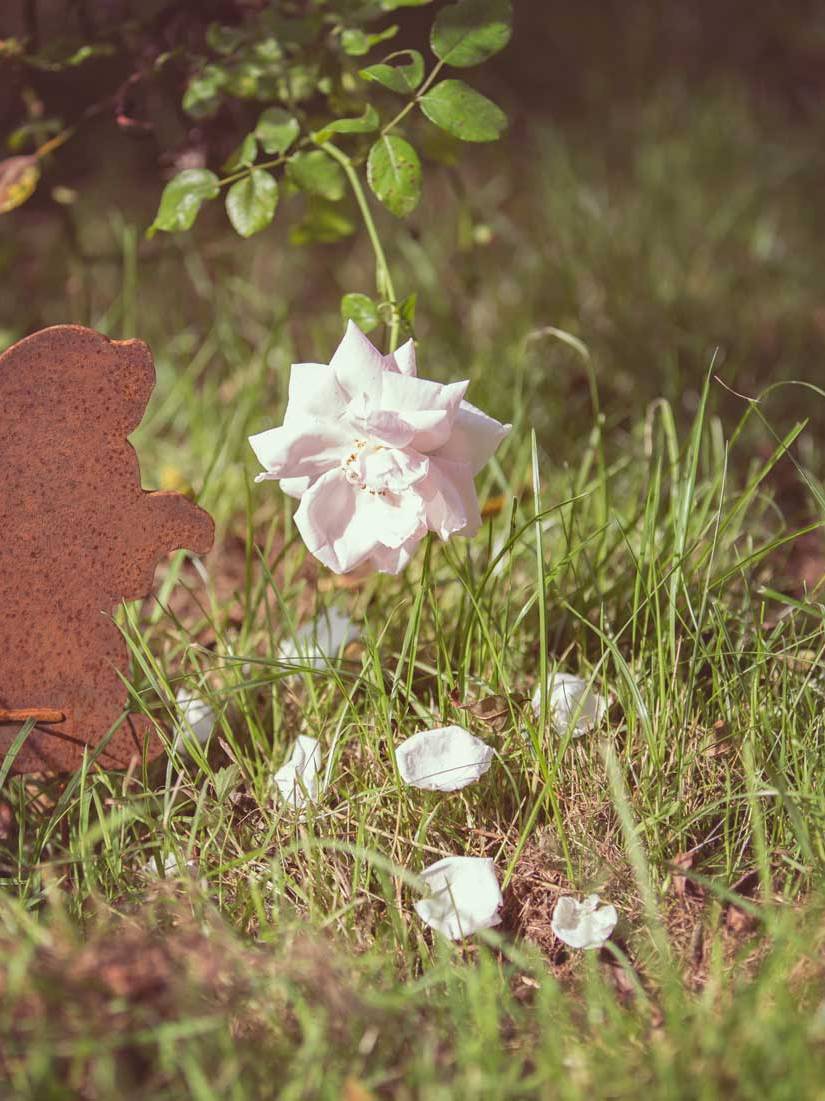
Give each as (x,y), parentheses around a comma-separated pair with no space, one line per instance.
(660,195)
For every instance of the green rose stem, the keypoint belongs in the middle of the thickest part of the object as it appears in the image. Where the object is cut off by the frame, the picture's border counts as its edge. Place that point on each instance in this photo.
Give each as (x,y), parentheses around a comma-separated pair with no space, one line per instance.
(247,170)
(383,279)
(405,110)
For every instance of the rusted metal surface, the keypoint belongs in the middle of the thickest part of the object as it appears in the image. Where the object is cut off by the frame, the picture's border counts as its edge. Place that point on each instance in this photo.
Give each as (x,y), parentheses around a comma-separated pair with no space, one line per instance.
(78,534)
(38,715)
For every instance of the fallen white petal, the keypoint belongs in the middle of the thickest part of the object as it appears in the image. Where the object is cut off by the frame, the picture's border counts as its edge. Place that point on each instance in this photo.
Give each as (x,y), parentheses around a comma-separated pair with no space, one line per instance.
(583,924)
(296,781)
(568,695)
(445,759)
(320,639)
(170,867)
(198,719)
(465,896)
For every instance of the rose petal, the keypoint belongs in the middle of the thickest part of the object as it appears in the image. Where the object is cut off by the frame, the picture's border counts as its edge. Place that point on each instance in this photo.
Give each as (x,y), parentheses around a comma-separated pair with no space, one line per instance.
(465,896)
(358,365)
(316,642)
(450,497)
(445,759)
(343,525)
(569,695)
(406,394)
(402,359)
(474,437)
(323,518)
(313,392)
(170,867)
(198,719)
(390,428)
(388,520)
(388,468)
(385,560)
(583,924)
(292,487)
(296,781)
(429,428)
(307,447)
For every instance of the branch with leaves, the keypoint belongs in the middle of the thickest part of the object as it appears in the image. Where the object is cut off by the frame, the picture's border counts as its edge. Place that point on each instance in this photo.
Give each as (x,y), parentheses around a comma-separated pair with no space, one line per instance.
(290,151)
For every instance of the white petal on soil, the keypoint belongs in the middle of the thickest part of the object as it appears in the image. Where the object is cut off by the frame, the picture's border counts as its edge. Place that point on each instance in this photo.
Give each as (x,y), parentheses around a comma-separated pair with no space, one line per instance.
(568,695)
(445,759)
(198,719)
(170,867)
(583,924)
(296,781)
(465,896)
(320,639)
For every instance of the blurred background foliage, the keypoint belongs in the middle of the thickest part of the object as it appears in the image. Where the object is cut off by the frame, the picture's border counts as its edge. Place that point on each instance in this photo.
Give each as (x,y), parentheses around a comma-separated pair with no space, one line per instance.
(658,195)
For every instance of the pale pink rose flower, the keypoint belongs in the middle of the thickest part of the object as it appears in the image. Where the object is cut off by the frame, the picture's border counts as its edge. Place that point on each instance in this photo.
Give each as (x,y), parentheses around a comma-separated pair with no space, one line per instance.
(377,456)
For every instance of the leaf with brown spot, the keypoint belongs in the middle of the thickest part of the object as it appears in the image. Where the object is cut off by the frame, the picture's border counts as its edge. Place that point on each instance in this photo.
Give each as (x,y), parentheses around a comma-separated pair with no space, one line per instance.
(18,180)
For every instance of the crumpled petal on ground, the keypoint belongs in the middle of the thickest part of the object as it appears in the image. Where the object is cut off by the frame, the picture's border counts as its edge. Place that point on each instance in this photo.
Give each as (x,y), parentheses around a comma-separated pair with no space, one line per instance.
(464,896)
(583,924)
(197,719)
(445,759)
(569,695)
(296,781)
(320,640)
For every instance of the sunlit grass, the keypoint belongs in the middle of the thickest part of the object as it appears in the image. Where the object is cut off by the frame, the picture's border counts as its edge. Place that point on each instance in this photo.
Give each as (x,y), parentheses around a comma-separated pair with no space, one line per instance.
(644,543)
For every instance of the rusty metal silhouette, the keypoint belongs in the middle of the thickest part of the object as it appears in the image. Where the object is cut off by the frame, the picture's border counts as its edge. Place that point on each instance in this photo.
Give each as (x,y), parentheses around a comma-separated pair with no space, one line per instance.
(78,535)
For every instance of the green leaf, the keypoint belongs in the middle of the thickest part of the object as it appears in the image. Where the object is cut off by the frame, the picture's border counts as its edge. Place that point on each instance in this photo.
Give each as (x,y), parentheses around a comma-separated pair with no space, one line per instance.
(18,180)
(250,79)
(300,82)
(181,200)
(406,309)
(47,62)
(225,780)
(268,50)
(224,40)
(84,53)
(403,79)
(244,156)
(203,94)
(317,174)
(463,112)
(251,202)
(393,5)
(470,31)
(362,125)
(394,174)
(324,224)
(32,133)
(356,42)
(361,309)
(277,130)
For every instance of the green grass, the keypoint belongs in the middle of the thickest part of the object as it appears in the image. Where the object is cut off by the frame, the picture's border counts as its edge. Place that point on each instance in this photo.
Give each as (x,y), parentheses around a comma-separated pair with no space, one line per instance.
(652,543)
